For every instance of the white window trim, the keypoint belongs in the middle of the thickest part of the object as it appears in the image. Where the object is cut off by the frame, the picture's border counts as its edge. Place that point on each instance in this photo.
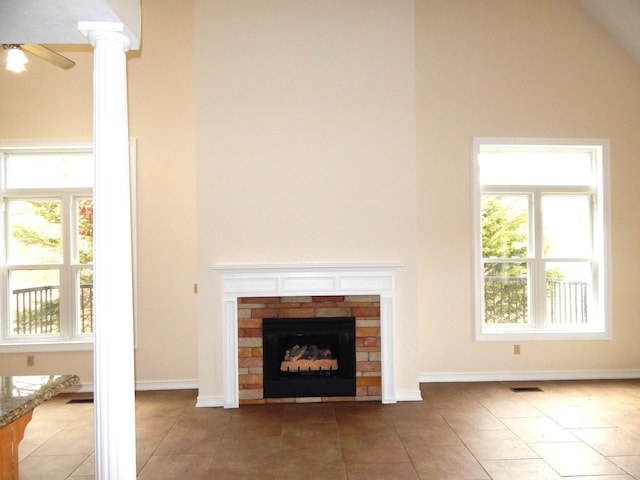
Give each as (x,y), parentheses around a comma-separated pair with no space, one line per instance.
(527,333)
(81,342)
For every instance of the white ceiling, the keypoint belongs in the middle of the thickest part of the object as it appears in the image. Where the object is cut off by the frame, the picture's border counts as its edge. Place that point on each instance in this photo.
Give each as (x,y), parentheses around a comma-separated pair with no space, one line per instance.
(56,21)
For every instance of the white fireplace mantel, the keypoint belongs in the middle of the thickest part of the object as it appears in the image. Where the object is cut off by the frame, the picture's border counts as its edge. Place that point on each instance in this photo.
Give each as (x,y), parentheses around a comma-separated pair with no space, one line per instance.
(303,280)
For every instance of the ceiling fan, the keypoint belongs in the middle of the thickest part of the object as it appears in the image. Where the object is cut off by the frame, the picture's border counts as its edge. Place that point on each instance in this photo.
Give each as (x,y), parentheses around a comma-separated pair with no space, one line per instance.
(16,59)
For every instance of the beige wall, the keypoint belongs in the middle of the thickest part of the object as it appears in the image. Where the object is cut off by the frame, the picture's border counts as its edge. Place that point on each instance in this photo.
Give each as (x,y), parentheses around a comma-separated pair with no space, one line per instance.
(162,118)
(519,68)
(296,123)
(46,102)
(306,147)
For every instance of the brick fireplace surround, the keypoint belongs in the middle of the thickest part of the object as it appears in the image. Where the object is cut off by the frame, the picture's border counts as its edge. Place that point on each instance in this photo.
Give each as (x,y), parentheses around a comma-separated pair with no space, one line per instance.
(365,309)
(365,289)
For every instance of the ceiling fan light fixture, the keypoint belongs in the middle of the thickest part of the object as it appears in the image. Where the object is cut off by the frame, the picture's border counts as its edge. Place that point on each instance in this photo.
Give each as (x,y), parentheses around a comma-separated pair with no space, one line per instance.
(16,59)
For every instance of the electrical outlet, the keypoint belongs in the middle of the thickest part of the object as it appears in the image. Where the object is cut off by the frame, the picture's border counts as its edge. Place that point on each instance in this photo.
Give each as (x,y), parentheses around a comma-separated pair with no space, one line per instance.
(30,361)
(516,349)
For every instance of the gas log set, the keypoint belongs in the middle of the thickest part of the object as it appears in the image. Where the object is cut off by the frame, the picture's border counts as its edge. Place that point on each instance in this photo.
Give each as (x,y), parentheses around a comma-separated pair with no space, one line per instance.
(308,358)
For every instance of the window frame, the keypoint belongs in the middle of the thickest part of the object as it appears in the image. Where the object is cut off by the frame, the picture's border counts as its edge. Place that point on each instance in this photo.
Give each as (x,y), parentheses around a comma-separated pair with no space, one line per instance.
(78,341)
(67,269)
(599,326)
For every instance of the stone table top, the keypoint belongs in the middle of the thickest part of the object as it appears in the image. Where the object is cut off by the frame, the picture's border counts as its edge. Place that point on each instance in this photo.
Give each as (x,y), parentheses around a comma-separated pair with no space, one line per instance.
(21,394)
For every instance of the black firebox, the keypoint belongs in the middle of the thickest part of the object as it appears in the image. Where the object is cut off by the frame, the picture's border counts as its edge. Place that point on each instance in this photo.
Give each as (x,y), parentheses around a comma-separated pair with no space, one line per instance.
(309,357)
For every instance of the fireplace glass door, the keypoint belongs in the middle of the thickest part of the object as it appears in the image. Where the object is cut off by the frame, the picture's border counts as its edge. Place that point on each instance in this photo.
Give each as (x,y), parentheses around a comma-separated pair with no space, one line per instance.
(309,357)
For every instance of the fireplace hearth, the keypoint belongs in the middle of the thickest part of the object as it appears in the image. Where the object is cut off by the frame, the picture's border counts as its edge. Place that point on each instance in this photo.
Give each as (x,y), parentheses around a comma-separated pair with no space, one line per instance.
(309,357)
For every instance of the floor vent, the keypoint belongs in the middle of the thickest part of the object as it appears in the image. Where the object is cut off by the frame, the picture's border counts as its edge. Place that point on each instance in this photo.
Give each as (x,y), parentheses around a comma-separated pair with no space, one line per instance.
(526,389)
(81,400)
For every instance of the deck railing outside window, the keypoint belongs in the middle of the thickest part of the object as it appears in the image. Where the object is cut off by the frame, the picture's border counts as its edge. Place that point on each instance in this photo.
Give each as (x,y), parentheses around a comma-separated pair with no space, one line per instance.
(36,310)
(567,301)
(506,300)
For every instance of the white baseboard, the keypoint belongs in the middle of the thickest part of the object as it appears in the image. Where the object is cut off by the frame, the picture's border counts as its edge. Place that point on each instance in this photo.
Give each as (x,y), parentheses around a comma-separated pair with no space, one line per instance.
(209,401)
(167,385)
(401,396)
(409,395)
(145,385)
(455,377)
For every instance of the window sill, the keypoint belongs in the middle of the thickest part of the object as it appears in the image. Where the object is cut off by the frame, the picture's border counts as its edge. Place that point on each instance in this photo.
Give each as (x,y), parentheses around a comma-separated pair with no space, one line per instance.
(28,347)
(540,335)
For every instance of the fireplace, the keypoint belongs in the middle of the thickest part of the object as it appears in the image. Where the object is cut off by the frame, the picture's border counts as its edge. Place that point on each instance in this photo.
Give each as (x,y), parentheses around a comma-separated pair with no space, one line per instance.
(248,293)
(309,357)
(281,337)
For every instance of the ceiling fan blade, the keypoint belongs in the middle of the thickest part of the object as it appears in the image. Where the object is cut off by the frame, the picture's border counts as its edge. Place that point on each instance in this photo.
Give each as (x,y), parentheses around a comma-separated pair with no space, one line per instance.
(48,55)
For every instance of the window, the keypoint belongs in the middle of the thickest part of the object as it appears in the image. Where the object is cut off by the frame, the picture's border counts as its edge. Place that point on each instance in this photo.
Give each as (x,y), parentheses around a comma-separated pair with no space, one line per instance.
(47,244)
(540,239)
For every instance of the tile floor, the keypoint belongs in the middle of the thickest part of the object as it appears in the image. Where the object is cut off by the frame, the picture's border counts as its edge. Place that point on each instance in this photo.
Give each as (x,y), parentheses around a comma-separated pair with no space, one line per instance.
(576,430)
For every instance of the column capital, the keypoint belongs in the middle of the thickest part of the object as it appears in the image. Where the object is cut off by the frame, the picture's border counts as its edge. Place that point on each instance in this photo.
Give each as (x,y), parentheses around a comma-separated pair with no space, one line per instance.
(111,31)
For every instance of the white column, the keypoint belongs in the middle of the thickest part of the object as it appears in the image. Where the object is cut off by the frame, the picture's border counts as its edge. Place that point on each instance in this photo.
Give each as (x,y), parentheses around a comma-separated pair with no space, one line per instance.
(115,455)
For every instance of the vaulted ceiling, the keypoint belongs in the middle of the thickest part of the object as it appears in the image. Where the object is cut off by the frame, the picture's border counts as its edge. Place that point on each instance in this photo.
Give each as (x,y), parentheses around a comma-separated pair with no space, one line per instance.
(56,21)
(621,18)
